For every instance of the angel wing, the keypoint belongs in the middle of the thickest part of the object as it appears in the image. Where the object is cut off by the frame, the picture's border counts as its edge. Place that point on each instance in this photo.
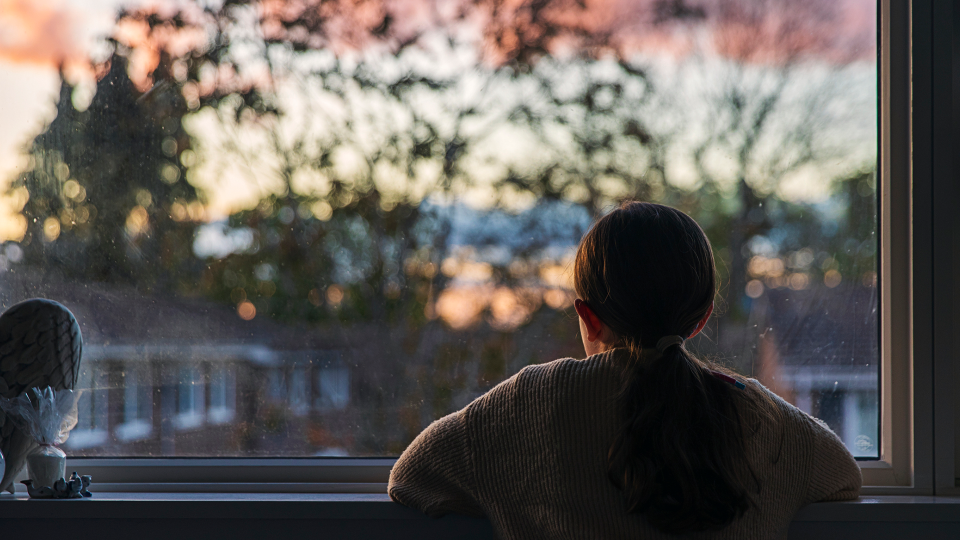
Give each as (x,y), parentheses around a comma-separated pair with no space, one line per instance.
(40,345)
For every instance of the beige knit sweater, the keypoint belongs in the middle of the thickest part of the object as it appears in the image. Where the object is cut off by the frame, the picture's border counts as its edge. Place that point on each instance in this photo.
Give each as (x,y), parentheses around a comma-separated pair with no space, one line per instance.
(531,455)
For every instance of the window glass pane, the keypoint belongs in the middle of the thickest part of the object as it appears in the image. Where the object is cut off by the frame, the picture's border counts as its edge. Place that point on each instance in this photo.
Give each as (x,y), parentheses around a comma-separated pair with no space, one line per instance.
(293,231)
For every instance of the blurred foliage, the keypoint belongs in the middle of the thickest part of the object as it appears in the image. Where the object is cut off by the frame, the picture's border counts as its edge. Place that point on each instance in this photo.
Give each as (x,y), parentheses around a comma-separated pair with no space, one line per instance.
(300,268)
(363,243)
(113,197)
(101,185)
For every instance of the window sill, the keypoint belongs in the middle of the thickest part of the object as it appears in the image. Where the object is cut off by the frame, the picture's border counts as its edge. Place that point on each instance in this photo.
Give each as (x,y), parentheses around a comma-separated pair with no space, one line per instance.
(374,515)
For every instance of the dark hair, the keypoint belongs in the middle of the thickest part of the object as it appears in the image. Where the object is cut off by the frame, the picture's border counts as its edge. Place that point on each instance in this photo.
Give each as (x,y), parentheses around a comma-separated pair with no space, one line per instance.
(647,271)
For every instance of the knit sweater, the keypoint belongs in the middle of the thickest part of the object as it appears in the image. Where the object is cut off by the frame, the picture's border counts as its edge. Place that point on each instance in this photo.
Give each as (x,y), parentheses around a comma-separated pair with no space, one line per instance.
(531,456)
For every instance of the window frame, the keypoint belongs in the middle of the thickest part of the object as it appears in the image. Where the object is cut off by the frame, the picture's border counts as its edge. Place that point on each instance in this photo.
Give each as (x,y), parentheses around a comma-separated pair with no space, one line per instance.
(915,42)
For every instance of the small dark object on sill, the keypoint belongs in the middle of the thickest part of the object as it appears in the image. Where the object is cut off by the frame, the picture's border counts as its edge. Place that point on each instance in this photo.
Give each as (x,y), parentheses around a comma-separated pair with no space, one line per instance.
(75,488)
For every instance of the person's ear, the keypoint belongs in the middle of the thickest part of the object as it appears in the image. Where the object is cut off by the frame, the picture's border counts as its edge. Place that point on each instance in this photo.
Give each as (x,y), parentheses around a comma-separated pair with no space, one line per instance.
(702,323)
(591,323)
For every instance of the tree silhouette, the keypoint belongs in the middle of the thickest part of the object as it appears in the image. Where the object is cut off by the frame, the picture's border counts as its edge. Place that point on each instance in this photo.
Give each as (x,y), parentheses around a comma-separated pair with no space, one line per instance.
(361,127)
(102,184)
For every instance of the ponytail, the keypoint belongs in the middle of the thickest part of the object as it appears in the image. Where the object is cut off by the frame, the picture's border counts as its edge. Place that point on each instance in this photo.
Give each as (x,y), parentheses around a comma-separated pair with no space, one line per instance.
(647,271)
(678,456)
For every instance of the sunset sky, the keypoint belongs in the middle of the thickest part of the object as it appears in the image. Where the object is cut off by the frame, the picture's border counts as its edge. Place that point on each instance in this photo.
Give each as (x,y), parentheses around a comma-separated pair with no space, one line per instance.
(37,36)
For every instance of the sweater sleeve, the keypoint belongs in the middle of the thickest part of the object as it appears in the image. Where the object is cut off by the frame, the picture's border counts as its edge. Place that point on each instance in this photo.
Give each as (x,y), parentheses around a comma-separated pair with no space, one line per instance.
(435,473)
(834,474)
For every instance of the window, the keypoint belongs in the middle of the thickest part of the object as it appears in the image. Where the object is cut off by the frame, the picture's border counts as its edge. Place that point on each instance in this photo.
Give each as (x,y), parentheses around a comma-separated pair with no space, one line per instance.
(223,394)
(190,398)
(299,390)
(313,243)
(333,382)
(276,385)
(92,413)
(137,404)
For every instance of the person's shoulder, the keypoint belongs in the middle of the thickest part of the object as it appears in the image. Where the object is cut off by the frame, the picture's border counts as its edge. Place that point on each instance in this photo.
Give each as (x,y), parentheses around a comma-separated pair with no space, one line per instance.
(788,411)
(771,398)
(565,371)
(534,376)
(558,377)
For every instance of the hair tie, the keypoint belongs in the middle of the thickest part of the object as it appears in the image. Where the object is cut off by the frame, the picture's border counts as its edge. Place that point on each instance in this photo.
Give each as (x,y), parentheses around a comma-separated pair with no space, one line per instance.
(667,342)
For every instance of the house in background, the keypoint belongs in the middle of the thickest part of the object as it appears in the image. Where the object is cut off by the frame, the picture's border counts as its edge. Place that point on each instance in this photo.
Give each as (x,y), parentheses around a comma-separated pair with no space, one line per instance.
(819,349)
(182,377)
(189,377)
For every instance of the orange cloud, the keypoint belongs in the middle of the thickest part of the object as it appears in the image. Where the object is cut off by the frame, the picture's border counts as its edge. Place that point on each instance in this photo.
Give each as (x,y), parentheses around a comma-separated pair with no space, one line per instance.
(37,32)
(756,31)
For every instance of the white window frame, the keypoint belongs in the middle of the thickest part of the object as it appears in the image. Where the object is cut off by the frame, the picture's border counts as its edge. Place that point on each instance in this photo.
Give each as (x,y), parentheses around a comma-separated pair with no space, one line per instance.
(908,174)
(894,469)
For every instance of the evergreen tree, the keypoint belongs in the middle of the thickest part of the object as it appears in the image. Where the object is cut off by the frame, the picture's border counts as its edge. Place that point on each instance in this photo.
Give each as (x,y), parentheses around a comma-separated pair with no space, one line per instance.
(103,185)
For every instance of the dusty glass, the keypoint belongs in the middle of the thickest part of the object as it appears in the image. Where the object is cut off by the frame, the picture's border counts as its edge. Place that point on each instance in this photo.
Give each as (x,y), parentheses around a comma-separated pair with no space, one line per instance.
(288,230)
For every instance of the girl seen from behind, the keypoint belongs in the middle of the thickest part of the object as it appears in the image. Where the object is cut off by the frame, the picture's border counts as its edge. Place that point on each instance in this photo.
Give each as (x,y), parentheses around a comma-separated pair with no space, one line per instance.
(641,439)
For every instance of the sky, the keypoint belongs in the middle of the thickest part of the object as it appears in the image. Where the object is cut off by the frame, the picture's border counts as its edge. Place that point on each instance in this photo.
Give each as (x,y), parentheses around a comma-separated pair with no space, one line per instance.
(36,36)
(39,36)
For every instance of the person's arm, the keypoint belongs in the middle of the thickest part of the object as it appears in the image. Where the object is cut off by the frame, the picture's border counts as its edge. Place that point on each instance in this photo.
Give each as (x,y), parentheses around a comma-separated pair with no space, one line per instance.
(834,474)
(435,473)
